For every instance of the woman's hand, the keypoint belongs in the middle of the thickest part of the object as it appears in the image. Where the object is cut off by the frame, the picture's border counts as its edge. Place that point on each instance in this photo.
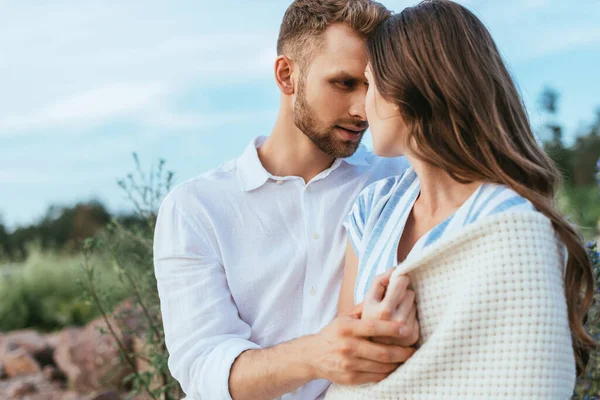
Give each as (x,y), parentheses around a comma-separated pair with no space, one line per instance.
(392,300)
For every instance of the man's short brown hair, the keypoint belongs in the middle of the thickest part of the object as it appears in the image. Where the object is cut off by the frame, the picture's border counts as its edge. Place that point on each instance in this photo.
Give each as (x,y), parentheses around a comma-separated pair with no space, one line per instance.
(305,21)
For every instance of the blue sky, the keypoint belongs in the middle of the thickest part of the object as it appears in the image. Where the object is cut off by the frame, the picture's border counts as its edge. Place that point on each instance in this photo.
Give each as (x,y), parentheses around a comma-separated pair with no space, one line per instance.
(85,83)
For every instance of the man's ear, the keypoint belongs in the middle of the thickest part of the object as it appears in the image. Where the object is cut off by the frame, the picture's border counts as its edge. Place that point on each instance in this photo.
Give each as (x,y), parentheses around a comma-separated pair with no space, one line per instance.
(284,70)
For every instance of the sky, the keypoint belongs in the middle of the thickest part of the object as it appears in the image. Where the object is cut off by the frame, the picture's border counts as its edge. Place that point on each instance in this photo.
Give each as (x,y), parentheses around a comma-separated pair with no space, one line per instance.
(83,84)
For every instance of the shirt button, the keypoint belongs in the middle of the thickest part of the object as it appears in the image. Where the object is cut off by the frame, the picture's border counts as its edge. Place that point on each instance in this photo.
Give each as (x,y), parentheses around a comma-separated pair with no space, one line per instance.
(316,236)
(280,182)
(312,291)
(308,189)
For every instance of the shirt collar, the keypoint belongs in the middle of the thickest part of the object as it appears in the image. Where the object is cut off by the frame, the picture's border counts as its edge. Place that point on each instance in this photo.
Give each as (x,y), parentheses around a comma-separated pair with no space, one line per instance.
(253,175)
(250,171)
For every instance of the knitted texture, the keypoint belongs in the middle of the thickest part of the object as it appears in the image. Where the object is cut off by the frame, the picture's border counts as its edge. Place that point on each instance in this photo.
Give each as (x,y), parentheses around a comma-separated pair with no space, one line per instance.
(493,317)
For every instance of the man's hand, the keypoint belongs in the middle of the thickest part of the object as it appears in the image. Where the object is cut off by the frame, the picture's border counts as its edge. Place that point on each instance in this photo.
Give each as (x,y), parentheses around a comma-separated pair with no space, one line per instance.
(392,300)
(342,352)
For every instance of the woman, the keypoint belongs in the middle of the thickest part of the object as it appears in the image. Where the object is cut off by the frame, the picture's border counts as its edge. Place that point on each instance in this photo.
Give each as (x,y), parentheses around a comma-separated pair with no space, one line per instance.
(502,281)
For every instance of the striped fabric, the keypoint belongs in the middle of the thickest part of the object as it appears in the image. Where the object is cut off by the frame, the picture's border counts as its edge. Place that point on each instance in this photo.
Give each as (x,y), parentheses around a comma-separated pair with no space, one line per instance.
(379,214)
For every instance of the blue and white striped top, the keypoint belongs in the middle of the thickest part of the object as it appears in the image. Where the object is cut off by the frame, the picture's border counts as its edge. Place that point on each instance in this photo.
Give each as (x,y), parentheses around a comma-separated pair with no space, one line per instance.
(378,217)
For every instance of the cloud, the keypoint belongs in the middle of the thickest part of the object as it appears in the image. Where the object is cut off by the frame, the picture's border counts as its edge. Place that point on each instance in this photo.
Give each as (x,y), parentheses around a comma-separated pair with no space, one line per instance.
(182,121)
(87,108)
(145,104)
(527,30)
(82,64)
(552,41)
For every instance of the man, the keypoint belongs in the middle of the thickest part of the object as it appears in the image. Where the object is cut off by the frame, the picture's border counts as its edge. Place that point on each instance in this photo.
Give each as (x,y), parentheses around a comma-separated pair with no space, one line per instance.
(248,257)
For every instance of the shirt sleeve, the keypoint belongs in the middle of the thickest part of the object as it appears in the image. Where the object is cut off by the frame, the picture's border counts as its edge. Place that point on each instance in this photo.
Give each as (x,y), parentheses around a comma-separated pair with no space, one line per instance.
(203,331)
(356,220)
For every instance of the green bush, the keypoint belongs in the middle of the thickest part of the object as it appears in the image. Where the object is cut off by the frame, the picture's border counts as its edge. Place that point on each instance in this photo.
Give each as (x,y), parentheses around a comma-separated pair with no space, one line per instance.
(45,292)
(582,206)
(128,244)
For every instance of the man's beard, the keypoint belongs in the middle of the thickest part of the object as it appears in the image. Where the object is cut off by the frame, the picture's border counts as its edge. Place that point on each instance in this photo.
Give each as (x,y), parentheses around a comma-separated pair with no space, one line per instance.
(324,137)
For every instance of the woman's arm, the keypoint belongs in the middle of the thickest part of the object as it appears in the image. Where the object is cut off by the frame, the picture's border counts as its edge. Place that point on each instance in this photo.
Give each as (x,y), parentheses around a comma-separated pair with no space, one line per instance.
(346,301)
(383,302)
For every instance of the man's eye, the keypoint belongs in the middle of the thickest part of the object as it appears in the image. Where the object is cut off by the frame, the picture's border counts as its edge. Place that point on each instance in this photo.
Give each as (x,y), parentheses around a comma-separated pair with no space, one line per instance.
(346,84)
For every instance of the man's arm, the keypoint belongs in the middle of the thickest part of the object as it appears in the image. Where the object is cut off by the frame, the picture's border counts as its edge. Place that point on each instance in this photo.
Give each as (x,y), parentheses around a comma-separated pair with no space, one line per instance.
(341,353)
(203,331)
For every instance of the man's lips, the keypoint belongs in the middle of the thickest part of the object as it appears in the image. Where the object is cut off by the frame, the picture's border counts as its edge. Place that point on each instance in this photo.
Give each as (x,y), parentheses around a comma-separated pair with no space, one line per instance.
(350,134)
(354,130)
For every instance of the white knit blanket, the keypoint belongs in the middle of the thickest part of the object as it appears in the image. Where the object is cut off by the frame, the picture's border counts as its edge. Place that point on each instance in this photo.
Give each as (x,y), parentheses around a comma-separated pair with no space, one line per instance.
(493,317)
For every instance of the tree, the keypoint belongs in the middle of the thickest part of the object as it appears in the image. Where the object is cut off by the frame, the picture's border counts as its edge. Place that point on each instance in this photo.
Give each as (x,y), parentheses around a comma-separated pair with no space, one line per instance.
(5,246)
(553,145)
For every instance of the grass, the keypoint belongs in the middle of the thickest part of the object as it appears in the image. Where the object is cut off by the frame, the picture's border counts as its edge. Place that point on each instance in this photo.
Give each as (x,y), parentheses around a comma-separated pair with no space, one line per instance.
(45,292)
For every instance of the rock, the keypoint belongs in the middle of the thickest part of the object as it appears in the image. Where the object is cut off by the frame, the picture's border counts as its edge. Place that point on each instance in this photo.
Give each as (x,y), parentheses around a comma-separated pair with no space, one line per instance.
(53,339)
(67,341)
(27,339)
(30,341)
(88,360)
(91,359)
(131,318)
(20,389)
(44,390)
(106,395)
(20,362)
(53,374)
(69,395)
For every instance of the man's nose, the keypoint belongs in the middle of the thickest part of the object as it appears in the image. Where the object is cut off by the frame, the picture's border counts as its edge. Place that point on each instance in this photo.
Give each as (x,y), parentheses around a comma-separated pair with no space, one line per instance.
(357,110)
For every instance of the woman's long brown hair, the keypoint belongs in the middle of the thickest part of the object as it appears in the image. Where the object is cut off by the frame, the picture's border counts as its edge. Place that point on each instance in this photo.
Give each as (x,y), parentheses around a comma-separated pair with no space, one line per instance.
(440,65)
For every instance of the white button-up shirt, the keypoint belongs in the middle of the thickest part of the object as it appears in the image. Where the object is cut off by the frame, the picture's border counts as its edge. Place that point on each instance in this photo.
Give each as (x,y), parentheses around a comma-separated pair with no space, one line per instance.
(246,260)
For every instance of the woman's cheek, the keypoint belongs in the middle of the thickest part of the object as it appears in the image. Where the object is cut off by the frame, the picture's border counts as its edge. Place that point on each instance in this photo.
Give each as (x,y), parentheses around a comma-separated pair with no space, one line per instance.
(369,104)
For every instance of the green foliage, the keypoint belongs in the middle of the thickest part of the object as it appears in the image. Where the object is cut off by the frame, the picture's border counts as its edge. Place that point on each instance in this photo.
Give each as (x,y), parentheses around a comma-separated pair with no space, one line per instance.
(578,197)
(585,155)
(578,161)
(582,206)
(44,292)
(588,385)
(128,244)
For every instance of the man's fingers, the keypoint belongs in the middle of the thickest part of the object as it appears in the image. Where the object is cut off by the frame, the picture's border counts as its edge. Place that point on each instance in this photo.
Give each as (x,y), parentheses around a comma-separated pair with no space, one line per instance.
(380,283)
(408,337)
(370,366)
(395,292)
(372,327)
(356,312)
(382,353)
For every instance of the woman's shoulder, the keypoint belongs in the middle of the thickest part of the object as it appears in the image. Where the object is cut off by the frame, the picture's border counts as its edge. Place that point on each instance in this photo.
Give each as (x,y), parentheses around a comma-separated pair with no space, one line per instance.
(391,185)
(496,198)
(376,196)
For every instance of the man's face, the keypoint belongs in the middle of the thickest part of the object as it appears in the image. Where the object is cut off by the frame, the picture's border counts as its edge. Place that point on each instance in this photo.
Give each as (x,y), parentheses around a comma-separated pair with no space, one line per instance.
(330,101)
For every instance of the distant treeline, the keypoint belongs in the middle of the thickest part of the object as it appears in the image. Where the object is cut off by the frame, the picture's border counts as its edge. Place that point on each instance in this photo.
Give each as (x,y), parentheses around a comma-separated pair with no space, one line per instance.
(577,162)
(61,229)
